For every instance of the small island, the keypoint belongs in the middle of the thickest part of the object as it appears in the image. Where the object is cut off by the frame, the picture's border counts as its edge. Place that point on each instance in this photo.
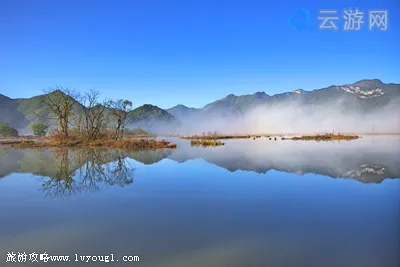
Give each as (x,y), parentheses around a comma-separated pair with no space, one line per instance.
(129,144)
(218,136)
(205,143)
(324,137)
(82,121)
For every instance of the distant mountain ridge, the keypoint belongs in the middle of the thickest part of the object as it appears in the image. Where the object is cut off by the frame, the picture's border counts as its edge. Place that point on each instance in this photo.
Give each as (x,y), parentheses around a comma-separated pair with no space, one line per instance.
(179,111)
(363,96)
(153,119)
(19,113)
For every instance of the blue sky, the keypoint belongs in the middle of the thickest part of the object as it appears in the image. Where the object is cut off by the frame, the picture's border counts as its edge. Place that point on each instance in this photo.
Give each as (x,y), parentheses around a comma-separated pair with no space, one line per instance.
(187,52)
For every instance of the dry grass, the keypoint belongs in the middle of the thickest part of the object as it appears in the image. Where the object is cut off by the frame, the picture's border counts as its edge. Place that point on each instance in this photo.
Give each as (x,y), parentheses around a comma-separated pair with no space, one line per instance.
(11,142)
(324,137)
(205,143)
(17,140)
(133,144)
(20,137)
(129,136)
(138,144)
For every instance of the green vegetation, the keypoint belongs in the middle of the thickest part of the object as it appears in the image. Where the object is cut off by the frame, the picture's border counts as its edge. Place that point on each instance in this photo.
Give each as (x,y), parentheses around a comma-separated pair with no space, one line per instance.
(7,131)
(33,108)
(149,112)
(204,142)
(39,129)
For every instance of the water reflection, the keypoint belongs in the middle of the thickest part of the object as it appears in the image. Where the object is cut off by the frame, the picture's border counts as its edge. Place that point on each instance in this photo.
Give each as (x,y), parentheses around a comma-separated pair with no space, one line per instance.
(66,172)
(238,205)
(62,183)
(368,160)
(365,160)
(84,170)
(61,164)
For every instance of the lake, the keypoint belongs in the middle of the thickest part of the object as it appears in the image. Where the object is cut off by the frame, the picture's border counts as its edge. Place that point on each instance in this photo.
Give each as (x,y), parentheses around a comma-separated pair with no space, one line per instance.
(249,203)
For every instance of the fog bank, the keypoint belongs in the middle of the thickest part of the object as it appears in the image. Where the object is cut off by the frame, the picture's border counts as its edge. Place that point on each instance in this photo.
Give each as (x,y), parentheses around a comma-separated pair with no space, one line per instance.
(298,119)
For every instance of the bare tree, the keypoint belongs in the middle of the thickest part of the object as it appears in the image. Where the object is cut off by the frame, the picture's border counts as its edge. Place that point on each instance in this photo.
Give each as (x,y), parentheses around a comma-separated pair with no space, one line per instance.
(95,115)
(79,124)
(60,102)
(120,113)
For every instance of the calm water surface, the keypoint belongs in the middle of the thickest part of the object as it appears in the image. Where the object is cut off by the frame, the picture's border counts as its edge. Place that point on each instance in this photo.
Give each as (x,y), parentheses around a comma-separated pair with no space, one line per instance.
(248,203)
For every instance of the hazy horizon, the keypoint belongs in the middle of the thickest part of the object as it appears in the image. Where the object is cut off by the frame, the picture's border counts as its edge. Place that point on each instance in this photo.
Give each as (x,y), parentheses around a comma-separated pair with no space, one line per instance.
(296,119)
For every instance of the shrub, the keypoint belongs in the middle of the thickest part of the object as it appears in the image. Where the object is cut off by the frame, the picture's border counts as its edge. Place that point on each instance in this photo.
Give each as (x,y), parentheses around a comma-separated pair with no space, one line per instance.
(39,129)
(7,131)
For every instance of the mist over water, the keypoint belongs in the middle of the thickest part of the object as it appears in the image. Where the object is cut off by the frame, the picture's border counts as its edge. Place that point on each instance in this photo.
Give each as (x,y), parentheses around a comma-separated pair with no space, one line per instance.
(299,119)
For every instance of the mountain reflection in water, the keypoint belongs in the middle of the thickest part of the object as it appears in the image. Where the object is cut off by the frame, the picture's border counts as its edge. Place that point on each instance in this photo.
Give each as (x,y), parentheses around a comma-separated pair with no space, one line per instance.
(369,160)
(242,204)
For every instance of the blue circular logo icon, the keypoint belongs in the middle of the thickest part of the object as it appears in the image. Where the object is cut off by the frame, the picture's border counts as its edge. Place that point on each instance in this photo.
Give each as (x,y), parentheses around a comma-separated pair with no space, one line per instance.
(300,20)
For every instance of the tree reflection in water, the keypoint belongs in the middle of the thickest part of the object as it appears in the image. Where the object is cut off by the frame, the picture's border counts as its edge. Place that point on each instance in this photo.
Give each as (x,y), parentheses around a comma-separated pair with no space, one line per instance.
(86,170)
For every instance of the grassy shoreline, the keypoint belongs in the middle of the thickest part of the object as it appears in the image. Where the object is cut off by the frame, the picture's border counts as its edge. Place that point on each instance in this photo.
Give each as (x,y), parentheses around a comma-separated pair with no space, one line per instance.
(134,144)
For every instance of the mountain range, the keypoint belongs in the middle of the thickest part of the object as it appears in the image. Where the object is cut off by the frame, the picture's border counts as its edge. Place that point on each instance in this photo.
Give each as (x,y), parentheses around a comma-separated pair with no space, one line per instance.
(365,96)
(19,113)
